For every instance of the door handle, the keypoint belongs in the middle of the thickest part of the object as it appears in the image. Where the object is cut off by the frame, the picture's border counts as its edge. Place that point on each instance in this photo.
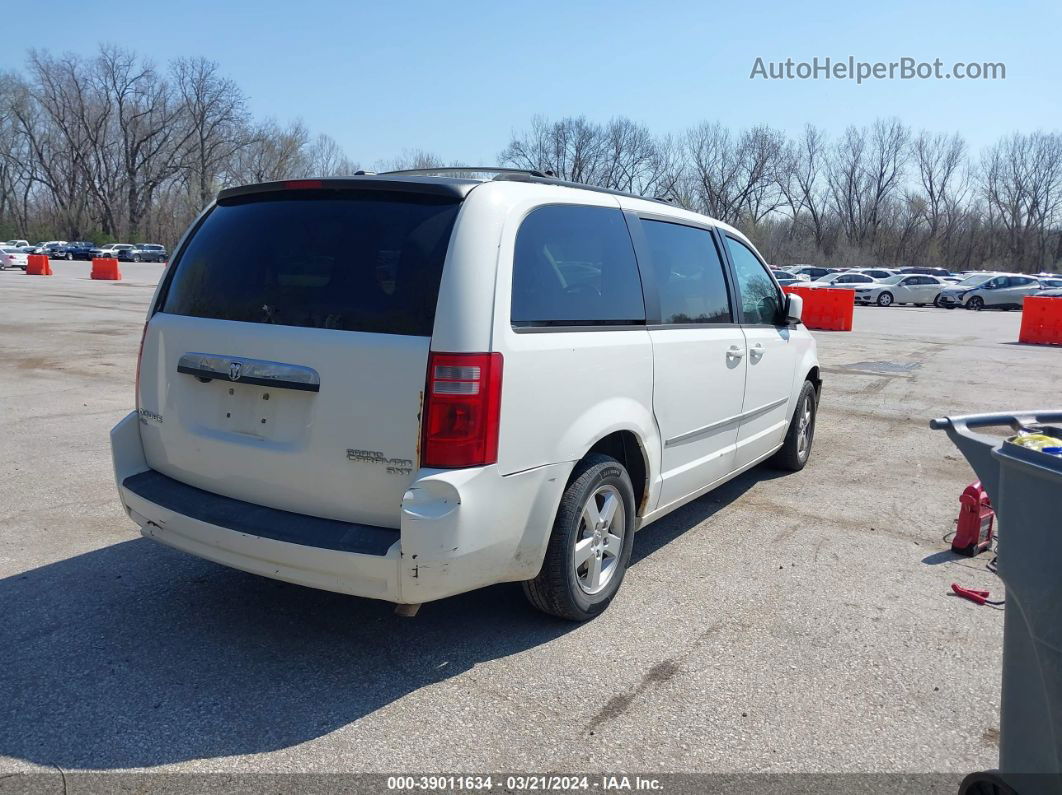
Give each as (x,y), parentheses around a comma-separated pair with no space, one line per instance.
(734,352)
(757,351)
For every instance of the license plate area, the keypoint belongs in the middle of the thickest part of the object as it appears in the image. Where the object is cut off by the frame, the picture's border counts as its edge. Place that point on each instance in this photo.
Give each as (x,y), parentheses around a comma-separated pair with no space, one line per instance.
(249,410)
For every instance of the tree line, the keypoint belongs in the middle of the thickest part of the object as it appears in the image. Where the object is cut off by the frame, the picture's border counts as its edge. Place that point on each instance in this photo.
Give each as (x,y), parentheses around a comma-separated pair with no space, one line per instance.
(113,146)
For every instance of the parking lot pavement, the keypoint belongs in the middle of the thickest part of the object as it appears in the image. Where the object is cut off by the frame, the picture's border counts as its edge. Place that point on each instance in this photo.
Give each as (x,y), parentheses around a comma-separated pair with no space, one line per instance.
(781,623)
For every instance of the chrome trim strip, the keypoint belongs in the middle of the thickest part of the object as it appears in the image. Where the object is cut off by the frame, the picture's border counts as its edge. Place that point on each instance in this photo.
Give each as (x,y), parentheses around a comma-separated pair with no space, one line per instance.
(259,372)
(715,426)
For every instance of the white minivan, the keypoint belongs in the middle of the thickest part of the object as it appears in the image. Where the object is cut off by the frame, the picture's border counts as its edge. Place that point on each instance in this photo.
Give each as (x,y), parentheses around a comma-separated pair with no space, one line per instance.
(408,386)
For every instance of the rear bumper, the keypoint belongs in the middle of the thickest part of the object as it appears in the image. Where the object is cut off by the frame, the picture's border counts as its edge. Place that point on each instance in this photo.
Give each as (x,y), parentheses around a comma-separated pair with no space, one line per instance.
(460,529)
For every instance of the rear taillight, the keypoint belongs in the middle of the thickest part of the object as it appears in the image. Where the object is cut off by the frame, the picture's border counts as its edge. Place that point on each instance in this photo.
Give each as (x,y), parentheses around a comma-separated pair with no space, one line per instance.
(139,357)
(462,407)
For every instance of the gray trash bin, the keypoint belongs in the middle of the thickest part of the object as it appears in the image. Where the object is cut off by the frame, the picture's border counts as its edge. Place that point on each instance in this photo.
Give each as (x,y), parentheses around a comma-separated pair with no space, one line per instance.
(1025,487)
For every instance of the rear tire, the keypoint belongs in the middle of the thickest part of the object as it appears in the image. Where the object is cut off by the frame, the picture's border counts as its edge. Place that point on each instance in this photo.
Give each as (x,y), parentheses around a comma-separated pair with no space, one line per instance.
(936,302)
(587,556)
(885,299)
(796,450)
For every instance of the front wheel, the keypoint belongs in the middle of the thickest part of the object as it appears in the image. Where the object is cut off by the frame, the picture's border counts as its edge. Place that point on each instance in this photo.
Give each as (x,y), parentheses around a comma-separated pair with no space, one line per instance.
(885,299)
(136,258)
(796,449)
(976,302)
(69,257)
(590,545)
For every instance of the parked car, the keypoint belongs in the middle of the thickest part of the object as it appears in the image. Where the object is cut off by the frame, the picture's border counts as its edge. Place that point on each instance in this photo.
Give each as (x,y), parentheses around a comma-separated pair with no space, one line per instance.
(1047,284)
(785,273)
(901,289)
(16,243)
(1054,293)
(379,386)
(813,272)
(990,290)
(12,257)
(149,252)
(926,271)
(841,280)
(47,247)
(79,249)
(119,251)
(873,273)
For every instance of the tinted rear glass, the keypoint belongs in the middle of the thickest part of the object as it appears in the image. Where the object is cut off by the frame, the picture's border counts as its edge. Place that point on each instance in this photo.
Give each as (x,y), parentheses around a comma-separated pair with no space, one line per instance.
(366,261)
(575,265)
(689,274)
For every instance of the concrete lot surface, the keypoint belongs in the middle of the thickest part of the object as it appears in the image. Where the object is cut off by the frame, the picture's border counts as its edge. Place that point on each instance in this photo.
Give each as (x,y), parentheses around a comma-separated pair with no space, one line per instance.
(781,623)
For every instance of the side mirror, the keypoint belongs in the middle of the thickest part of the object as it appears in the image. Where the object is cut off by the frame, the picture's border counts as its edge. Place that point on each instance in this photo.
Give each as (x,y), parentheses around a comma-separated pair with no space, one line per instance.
(794,308)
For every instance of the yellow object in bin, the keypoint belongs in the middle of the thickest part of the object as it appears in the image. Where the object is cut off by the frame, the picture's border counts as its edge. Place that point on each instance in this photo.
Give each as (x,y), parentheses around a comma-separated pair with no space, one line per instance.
(1035,441)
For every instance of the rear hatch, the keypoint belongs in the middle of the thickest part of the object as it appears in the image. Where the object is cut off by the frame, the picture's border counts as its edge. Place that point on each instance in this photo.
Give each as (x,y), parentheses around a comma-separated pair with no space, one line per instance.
(285,365)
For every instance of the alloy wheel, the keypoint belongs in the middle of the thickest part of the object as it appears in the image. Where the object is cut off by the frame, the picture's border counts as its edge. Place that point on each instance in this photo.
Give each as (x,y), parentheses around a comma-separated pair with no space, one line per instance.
(804,427)
(599,542)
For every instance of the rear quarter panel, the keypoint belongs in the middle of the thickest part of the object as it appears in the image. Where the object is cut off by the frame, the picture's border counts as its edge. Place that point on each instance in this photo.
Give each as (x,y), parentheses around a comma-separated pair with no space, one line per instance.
(565,390)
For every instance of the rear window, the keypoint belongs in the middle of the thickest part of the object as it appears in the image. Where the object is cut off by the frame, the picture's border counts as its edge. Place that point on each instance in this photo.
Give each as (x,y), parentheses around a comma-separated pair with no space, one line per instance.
(575,265)
(359,261)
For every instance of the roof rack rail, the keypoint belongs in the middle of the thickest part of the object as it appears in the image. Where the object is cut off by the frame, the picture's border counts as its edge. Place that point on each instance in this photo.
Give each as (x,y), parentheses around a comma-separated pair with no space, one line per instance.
(411,172)
(521,175)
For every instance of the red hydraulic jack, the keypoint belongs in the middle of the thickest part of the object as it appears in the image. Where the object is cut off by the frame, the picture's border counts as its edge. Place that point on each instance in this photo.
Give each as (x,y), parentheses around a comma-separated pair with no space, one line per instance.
(976,517)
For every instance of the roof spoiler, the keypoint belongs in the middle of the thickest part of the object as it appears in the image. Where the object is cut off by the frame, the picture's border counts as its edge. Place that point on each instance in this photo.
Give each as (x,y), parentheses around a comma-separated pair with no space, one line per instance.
(382,182)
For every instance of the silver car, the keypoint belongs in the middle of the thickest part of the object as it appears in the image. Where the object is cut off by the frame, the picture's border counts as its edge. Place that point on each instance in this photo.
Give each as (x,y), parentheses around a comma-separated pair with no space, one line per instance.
(990,290)
(913,288)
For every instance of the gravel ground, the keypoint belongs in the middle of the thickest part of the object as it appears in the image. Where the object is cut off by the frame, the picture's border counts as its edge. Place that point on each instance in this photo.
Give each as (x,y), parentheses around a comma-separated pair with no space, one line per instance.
(782,623)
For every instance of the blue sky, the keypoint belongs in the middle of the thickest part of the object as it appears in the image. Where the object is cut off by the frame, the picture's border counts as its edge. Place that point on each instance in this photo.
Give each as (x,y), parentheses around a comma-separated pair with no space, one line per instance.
(457,78)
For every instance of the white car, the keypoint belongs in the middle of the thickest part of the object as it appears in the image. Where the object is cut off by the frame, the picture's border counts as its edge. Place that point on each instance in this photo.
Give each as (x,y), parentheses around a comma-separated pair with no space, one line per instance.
(873,273)
(1048,283)
(16,243)
(843,280)
(912,288)
(454,382)
(990,290)
(810,272)
(11,257)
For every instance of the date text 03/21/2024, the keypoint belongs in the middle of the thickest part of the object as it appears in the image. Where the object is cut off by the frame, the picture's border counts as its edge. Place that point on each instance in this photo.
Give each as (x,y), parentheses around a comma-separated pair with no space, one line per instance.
(528,783)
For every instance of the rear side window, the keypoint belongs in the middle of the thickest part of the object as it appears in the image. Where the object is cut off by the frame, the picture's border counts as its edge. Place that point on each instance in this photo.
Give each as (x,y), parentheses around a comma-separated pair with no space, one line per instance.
(355,261)
(575,265)
(688,273)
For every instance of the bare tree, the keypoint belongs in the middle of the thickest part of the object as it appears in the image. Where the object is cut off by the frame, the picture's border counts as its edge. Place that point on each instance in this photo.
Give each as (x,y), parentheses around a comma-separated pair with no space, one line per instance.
(866,174)
(273,152)
(733,177)
(327,159)
(804,184)
(214,110)
(1022,183)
